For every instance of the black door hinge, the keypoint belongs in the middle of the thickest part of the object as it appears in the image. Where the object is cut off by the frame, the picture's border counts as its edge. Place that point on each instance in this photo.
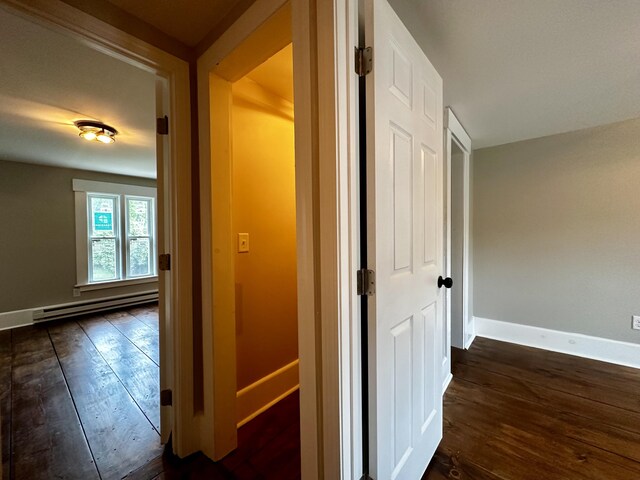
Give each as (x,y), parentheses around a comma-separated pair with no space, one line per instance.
(162,125)
(366,280)
(364,60)
(166,398)
(164,262)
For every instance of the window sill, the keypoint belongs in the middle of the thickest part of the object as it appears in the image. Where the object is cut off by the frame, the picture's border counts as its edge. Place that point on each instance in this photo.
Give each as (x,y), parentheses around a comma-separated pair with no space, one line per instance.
(115,284)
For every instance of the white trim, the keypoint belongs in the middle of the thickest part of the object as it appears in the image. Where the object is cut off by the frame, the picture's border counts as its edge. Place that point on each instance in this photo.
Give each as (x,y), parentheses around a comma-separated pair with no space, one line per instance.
(87,287)
(17,318)
(121,193)
(174,218)
(268,405)
(452,123)
(467,345)
(254,399)
(447,382)
(455,133)
(90,186)
(596,348)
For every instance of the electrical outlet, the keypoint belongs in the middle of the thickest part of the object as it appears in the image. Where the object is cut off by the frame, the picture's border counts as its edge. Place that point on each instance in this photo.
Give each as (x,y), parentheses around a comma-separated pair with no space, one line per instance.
(636,322)
(76,292)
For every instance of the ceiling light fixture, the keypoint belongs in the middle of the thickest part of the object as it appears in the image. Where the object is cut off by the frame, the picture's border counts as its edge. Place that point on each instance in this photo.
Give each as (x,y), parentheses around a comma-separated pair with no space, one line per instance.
(90,130)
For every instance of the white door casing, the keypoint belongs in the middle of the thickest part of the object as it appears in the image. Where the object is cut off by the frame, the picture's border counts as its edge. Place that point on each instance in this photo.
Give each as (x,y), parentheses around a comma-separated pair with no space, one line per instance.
(460,326)
(405,248)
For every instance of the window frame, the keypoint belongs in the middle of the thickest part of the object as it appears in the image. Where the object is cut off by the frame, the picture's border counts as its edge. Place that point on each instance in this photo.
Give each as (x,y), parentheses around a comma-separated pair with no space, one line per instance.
(126,236)
(83,191)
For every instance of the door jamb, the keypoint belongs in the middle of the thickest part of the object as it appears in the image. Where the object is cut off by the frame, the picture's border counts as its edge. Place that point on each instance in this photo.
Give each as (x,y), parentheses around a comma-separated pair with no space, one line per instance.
(172,99)
(324,34)
(455,133)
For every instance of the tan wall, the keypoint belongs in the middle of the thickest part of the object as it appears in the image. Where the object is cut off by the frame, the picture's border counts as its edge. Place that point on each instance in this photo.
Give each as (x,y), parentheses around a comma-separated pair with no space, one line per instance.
(37,236)
(556,233)
(264,207)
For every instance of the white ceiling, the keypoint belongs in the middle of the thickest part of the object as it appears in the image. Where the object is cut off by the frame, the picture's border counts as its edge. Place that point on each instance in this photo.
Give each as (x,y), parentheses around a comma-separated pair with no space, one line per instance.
(516,69)
(48,81)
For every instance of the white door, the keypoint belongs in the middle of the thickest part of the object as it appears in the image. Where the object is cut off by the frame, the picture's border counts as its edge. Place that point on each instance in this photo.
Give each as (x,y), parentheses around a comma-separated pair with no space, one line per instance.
(405,237)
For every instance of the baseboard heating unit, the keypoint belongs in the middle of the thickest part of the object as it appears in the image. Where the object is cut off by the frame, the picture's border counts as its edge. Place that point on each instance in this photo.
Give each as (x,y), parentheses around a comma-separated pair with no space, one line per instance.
(93,306)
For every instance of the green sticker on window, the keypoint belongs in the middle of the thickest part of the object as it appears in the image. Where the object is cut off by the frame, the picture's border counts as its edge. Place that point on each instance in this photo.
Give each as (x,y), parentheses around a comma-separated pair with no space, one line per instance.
(102,221)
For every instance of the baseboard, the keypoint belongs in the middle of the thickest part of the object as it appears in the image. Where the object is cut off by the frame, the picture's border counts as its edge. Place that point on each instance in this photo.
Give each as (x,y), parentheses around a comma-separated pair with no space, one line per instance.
(446,383)
(251,401)
(30,316)
(467,345)
(596,348)
(17,318)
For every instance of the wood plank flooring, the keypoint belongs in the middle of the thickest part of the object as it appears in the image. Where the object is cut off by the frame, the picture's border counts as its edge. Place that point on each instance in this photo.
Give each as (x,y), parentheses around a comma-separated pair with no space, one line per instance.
(519,413)
(79,400)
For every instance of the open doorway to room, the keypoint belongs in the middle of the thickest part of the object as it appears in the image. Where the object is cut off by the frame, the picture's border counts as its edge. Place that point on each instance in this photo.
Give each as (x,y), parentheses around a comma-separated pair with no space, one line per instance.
(264,223)
(460,324)
(83,302)
(460,329)
(250,174)
(264,228)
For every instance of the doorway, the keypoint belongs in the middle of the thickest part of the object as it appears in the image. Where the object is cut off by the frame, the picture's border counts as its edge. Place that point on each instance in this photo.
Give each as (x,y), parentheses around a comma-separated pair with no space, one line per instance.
(139,223)
(460,320)
(264,226)
(252,222)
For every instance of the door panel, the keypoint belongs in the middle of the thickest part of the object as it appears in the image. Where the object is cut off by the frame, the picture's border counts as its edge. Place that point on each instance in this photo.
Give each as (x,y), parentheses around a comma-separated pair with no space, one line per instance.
(405,232)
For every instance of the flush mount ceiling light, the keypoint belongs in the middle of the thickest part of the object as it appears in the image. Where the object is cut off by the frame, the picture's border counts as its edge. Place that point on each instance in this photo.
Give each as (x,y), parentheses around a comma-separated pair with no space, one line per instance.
(90,130)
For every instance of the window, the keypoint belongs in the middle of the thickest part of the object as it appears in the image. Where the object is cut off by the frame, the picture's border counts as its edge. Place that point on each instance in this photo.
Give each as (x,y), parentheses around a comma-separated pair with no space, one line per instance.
(115,234)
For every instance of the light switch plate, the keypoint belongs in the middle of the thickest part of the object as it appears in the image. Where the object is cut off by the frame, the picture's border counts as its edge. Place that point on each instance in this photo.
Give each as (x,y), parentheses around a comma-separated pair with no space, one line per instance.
(243,242)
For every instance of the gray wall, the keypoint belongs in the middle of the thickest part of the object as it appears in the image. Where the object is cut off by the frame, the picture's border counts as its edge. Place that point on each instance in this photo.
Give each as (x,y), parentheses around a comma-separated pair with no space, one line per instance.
(556,232)
(37,235)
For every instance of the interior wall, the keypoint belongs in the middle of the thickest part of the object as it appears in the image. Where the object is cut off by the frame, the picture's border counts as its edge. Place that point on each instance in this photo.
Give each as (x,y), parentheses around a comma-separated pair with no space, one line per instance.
(37,244)
(264,207)
(556,230)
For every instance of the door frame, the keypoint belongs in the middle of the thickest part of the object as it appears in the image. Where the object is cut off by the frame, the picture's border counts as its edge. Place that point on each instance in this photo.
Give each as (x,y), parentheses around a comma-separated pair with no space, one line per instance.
(455,133)
(174,195)
(324,35)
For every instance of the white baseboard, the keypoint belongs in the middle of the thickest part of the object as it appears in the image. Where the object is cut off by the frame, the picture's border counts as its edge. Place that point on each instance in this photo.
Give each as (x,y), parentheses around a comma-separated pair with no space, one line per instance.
(251,401)
(17,318)
(467,345)
(596,348)
(446,383)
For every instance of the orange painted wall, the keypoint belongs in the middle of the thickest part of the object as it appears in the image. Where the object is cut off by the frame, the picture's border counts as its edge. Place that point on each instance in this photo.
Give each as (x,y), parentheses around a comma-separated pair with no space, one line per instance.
(264,207)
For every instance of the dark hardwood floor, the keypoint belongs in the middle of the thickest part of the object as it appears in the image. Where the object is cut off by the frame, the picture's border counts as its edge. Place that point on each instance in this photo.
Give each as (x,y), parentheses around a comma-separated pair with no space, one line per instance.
(80,400)
(519,413)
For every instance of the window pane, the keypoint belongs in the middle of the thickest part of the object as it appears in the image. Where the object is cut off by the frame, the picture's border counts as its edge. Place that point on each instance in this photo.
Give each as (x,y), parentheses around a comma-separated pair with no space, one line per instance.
(103,260)
(139,257)
(138,211)
(102,217)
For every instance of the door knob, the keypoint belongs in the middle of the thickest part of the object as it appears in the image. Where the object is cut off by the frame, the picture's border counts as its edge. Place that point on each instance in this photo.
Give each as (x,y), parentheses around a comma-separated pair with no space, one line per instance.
(447,282)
